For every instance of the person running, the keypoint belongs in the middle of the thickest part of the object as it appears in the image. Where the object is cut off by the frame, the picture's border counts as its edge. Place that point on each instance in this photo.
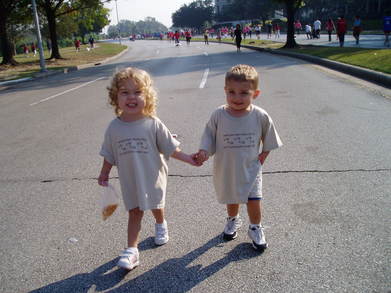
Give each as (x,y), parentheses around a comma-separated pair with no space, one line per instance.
(138,144)
(238,37)
(258,31)
(341,30)
(176,37)
(330,27)
(308,31)
(240,135)
(317,27)
(269,27)
(77,45)
(387,30)
(298,27)
(206,37)
(188,37)
(357,29)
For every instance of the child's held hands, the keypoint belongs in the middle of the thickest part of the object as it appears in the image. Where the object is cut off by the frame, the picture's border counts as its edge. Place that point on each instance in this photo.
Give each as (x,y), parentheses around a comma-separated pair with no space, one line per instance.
(201,156)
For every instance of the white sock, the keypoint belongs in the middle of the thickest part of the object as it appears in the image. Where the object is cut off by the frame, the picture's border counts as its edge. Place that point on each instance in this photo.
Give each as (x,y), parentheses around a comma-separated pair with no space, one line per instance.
(132,249)
(255,225)
(163,224)
(233,218)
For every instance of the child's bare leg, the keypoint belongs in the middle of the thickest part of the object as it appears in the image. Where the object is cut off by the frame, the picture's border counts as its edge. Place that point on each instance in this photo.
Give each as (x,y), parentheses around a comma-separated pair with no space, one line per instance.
(134,226)
(232,210)
(254,208)
(158,215)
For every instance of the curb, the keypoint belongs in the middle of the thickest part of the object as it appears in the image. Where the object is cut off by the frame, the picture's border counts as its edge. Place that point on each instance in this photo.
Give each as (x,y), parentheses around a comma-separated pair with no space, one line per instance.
(379,78)
(40,75)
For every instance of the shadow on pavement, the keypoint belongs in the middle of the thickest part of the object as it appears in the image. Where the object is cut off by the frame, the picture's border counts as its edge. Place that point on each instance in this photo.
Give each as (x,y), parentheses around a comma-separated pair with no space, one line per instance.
(173,275)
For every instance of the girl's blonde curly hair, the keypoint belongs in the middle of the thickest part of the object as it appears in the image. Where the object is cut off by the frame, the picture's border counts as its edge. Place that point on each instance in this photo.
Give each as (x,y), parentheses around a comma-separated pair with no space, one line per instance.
(143,81)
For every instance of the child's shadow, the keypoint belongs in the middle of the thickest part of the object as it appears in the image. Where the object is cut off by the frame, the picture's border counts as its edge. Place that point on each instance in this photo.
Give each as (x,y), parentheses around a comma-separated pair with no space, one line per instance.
(173,275)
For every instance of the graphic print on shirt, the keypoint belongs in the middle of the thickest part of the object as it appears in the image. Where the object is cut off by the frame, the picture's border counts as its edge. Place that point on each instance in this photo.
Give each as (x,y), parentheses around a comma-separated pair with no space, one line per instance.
(239,140)
(132,145)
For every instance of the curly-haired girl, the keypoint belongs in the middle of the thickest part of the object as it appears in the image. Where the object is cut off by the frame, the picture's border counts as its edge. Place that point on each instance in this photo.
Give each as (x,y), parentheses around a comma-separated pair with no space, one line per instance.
(139,144)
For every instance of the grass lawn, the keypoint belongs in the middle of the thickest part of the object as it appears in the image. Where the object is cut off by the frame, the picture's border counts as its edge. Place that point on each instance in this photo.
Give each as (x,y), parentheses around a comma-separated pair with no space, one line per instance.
(28,65)
(375,59)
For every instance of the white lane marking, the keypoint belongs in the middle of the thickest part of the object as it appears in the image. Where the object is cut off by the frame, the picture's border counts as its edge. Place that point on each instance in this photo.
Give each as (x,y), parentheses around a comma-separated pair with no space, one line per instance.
(64,92)
(204,78)
(205,53)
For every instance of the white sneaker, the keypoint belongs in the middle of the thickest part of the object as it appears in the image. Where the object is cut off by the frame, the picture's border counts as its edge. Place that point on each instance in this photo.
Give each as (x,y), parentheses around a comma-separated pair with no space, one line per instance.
(257,236)
(161,233)
(129,259)
(232,225)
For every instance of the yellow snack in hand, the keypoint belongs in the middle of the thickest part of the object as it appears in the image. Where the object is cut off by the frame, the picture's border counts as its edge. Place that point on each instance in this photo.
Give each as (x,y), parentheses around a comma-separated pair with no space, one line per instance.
(108,211)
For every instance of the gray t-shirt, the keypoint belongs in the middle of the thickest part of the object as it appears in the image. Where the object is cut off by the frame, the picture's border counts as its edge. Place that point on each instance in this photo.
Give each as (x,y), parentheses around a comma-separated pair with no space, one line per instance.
(236,144)
(140,149)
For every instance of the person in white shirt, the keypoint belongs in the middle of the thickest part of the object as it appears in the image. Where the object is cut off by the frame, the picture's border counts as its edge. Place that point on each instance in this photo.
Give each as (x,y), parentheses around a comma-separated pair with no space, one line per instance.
(240,135)
(317,27)
(308,31)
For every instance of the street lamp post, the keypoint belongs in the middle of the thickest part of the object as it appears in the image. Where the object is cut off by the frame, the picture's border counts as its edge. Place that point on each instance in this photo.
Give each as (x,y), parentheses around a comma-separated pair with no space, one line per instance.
(36,20)
(119,31)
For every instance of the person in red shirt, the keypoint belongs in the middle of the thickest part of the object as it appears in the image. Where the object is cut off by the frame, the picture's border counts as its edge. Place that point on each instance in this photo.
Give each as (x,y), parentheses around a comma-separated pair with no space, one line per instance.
(176,36)
(341,30)
(77,45)
(188,37)
(330,27)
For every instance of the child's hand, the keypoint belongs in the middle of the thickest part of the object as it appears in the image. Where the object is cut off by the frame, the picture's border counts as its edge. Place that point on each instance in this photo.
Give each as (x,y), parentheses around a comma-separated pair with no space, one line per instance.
(201,156)
(103,179)
(195,160)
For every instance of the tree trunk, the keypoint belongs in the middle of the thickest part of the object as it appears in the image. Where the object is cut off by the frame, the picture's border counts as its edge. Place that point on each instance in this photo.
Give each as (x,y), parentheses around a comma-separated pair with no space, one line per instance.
(6,45)
(51,18)
(290,36)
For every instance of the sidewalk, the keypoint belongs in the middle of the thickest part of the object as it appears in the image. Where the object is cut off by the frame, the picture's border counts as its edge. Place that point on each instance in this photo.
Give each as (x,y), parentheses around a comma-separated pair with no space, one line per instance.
(366,41)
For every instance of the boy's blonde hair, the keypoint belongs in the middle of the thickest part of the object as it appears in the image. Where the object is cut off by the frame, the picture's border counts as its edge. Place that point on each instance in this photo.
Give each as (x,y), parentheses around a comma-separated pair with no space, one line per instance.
(243,72)
(143,80)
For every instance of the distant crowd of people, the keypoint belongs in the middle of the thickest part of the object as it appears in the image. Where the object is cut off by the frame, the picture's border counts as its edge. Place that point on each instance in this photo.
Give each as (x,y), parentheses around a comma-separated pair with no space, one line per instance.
(340,27)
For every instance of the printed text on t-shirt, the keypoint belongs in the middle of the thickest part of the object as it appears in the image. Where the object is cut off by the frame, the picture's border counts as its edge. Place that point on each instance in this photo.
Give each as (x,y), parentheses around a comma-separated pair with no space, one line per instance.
(132,145)
(239,140)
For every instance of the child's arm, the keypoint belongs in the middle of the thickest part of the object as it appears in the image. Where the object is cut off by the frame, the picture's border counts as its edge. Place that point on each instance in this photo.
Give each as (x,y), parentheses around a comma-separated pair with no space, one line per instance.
(262,156)
(181,156)
(103,178)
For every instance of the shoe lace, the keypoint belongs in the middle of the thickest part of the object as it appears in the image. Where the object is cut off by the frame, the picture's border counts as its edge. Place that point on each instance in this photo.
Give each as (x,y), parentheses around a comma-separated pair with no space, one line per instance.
(234,224)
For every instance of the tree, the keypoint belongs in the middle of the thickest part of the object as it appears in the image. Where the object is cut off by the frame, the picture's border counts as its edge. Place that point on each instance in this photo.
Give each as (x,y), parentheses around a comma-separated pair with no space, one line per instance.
(91,20)
(194,14)
(56,8)
(8,9)
(291,7)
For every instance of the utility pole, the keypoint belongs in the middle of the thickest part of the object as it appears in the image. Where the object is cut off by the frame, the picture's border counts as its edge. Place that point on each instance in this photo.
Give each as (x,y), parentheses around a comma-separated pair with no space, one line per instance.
(40,47)
(119,31)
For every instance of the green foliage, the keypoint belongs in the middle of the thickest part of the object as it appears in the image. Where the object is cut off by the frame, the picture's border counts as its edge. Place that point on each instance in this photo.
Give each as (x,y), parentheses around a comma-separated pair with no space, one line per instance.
(126,27)
(193,15)
(375,59)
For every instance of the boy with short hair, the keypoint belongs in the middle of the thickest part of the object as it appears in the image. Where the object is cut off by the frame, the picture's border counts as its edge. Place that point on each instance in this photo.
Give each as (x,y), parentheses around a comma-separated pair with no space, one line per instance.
(234,135)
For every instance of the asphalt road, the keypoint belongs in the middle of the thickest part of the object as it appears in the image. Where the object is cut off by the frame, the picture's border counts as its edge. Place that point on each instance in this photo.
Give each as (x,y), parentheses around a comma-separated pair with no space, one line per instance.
(327,190)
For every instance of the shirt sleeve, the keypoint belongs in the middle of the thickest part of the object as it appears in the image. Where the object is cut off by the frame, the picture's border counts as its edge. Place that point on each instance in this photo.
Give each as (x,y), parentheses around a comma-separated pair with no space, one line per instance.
(106,150)
(166,143)
(270,138)
(208,139)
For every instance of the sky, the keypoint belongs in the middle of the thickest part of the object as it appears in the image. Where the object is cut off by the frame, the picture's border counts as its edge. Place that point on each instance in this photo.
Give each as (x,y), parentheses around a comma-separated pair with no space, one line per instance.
(136,10)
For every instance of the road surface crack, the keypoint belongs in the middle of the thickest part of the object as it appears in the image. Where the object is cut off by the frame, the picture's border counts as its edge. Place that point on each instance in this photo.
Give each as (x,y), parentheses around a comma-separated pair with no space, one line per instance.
(63,179)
